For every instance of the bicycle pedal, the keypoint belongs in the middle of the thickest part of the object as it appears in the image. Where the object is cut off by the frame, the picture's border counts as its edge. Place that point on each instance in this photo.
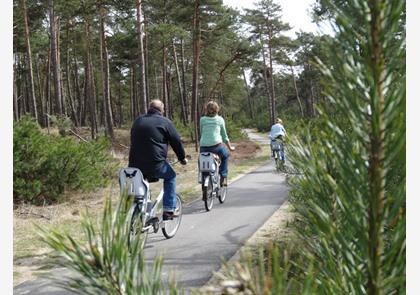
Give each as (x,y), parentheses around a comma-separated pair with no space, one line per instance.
(152,220)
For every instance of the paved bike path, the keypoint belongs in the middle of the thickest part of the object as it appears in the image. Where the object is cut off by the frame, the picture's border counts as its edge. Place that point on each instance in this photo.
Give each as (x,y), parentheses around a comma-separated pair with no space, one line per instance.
(205,239)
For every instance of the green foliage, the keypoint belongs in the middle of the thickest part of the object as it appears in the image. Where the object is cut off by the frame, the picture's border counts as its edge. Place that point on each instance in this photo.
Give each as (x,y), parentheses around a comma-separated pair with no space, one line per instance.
(104,264)
(184,131)
(353,222)
(349,197)
(234,130)
(276,269)
(63,123)
(262,122)
(45,166)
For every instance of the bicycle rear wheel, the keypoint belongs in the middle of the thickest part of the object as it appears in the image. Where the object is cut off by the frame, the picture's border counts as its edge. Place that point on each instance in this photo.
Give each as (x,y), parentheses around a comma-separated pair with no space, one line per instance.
(136,228)
(278,160)
(208,195)
(170,227)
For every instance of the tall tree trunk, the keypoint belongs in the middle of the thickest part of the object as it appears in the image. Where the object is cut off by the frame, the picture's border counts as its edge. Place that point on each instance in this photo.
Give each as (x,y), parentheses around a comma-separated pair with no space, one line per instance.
(297,92)
(63,94)
(55,63)
(269,98)
(78,97)
(142,92)
(184,87)
(164,76)
(196,61)
(89,85)
(15,94)
(68,84)
(120,109)
(146,68)
(180,90)
(109,122)
(132,115)
(135,94)
(273,95)
(251,108)
(41,95)
(31,92)
(157,94)
(48,104)
(170,109)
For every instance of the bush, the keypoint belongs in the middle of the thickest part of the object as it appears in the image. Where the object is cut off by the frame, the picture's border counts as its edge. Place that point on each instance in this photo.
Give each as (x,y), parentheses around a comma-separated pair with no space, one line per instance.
(184,131)
(102,261)
(234,130)
(45,166)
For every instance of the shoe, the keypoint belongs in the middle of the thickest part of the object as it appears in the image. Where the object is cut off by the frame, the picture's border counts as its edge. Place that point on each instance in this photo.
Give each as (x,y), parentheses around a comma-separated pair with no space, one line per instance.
(152,221)
(169,215)
(223,181)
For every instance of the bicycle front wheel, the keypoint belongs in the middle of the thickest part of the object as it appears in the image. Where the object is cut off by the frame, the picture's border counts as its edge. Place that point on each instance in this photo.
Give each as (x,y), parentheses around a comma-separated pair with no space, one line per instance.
(136,228)
(170,227)
(278,161)
(222,193)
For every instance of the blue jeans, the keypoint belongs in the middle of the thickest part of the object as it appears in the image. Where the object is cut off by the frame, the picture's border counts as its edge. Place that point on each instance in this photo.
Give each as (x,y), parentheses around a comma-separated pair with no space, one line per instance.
(222,152)
(169,185)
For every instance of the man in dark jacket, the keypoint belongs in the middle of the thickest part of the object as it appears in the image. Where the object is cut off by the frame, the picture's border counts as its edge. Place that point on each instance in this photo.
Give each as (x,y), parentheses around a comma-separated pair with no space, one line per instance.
(150,135)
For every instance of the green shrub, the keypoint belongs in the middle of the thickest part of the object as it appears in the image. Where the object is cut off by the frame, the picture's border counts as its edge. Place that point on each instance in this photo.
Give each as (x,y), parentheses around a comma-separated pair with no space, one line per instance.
(62,123)
(234,130)
(184,131)
(45,166)
(273,269)
(350,198)
(102,262)
(262,123)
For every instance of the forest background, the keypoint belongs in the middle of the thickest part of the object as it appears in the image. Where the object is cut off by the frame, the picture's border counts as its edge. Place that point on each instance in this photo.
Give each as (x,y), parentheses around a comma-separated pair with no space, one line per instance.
(78,80)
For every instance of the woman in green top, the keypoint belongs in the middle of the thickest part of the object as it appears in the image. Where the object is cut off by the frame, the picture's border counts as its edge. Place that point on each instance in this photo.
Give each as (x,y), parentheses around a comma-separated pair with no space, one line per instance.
(213,135)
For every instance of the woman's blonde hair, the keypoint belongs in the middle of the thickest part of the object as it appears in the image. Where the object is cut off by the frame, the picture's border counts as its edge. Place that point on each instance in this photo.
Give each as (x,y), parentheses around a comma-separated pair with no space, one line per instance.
(278,120)
(212,108)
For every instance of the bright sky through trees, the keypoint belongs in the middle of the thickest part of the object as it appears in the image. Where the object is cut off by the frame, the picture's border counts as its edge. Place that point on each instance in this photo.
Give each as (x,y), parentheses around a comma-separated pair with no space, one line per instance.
(295,12)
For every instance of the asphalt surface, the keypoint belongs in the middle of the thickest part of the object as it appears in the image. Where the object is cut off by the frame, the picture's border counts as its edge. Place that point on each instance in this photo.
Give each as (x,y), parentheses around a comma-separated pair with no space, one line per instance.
(205,239)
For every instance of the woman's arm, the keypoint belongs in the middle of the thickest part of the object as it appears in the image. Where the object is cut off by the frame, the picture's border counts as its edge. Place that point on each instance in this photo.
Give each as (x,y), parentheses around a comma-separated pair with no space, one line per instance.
(223,132)
(225,137)
(230,147)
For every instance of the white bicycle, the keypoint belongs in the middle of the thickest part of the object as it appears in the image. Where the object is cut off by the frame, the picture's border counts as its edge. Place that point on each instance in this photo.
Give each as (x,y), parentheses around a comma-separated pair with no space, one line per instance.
(209,178)
(147,215)
(277,148)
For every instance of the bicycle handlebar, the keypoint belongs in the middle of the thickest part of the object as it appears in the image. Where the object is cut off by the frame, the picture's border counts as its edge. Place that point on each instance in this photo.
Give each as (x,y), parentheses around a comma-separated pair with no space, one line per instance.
(188,157)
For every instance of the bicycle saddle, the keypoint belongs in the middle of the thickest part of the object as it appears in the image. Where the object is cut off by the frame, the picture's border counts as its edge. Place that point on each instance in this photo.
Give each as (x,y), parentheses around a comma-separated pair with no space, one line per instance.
(206,154)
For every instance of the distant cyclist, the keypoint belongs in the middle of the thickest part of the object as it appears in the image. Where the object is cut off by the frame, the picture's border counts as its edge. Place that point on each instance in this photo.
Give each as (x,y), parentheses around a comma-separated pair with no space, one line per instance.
(213,135)
(278,132)
(150,135)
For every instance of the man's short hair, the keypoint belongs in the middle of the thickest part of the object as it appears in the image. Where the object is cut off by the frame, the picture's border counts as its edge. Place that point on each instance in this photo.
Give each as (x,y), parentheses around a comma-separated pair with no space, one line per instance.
(157,104)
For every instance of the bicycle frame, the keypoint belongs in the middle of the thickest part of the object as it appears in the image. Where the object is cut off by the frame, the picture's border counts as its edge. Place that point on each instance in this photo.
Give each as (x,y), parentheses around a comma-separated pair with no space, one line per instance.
(131,180)
(209,172)
(279,151)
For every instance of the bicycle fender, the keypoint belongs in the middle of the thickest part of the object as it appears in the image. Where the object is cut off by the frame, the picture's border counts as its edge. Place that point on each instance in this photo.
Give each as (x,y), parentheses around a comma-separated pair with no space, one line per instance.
(206,181)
